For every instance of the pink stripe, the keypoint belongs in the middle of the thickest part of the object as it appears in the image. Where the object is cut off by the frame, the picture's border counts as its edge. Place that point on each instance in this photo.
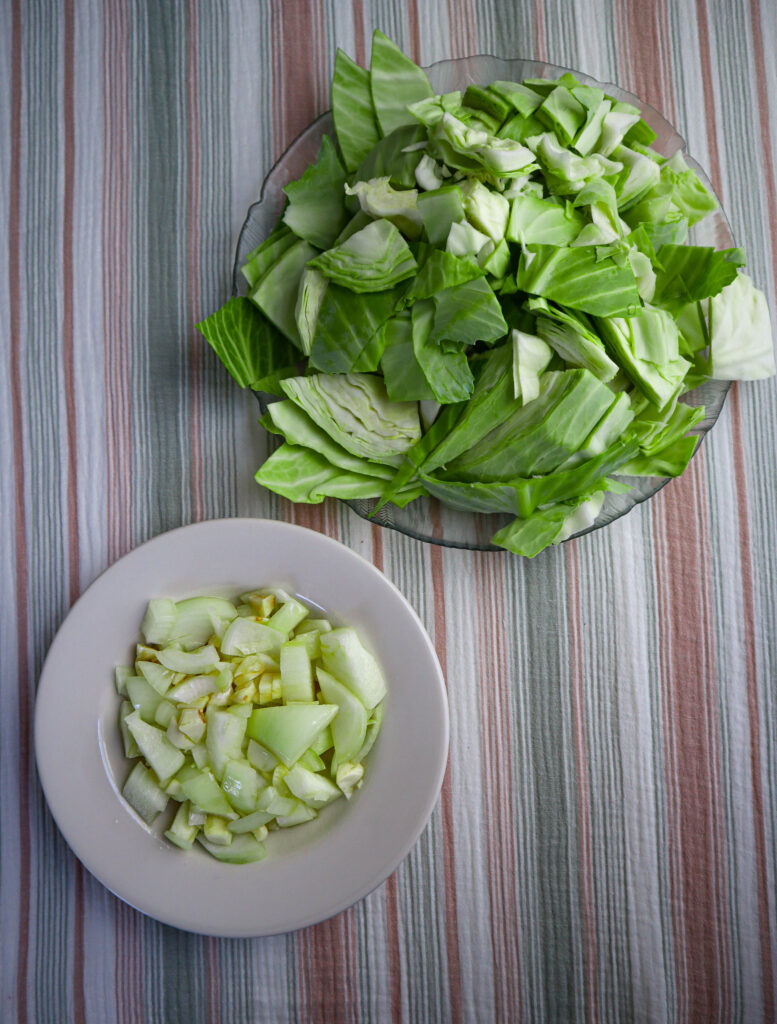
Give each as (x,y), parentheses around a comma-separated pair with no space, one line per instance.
(643,33)
(323,98)
(295,106)
(118,989)
(128,965)
(394,955)
(446,796)
(748,612)
(79,998)
(472,44)
(664,64)
(540,39)
(767,131)
(327,989)
(311,516)
(695,834)
(689,700)
(709,94)
(759,824)
(490,761)
(334,510)
(647,72)
(193,257)
(504,686)
(299,73)
(15,262)
(455,34)
(694,700)
(212,960)
(698,478)
(696,839)
(463,28)
(767,135)
(390,892)
(674,879)
(415,36)
(118,964)
(739,473)
(634,80)
(495,699)
(376,533)
(358,32)
(583,796)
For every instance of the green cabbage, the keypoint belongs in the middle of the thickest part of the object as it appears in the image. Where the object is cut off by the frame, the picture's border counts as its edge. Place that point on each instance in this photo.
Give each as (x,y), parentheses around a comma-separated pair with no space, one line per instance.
(356,412)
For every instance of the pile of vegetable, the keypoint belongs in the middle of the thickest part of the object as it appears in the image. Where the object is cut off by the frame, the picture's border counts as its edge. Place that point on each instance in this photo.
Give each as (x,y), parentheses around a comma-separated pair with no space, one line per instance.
(252,718)
(489,298)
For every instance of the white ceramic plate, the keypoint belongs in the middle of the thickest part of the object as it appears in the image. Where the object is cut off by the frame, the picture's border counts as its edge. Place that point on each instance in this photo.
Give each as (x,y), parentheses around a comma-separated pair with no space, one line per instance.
(312,871)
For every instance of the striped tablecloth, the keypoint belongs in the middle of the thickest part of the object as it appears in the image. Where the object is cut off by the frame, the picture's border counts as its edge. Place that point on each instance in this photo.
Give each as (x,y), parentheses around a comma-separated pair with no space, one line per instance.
(604,847)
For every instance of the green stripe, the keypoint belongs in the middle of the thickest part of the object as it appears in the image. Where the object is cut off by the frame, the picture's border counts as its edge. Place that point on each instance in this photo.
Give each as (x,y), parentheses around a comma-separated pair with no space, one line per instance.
(162,197)
(545,587)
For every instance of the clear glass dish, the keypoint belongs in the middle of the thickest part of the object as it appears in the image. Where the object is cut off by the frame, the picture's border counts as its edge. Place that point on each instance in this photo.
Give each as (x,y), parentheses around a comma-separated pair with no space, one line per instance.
(427,519)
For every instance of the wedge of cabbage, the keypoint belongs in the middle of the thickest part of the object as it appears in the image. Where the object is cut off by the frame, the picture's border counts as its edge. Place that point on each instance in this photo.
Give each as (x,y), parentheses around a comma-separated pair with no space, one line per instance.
(356,412)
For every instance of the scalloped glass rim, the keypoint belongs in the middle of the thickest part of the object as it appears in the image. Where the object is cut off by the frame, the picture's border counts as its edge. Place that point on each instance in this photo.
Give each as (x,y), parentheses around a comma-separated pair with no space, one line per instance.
(426,519)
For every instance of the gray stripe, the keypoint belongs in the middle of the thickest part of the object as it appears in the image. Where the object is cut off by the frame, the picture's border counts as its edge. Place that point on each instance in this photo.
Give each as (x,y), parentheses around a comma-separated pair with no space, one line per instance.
(555,825)
(49,981)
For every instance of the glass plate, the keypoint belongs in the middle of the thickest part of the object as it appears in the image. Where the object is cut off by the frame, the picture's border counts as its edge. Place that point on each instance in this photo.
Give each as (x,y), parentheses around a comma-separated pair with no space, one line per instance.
(427,519)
